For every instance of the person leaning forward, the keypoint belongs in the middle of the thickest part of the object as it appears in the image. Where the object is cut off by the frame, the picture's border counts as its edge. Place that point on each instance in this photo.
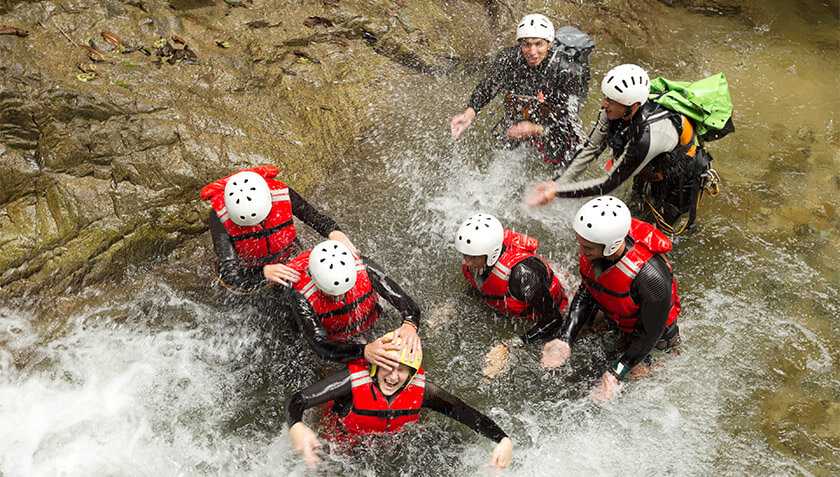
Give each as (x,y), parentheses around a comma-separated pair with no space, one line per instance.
(625,273)
(655,146)
(542,98)
(501,266)
(253,232)
(337,298)
(368,400)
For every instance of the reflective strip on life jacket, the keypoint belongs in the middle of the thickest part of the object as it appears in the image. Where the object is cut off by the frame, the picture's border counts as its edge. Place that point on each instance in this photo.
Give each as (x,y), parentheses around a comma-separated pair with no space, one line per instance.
(309,289)
(628,267)
(360,378)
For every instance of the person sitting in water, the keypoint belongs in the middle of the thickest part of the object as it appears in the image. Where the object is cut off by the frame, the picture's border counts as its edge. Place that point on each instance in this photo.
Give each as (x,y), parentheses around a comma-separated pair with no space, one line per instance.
(625,273)
(655,146)
(368,399)
(253,233)
(542,97)
(503,268)
(337,298)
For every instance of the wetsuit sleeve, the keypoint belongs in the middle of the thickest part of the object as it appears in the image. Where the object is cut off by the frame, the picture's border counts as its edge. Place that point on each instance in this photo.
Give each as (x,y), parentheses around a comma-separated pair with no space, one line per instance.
(591,149)
(651,289)
(530,281)
(436,399)
(229,269)
(488,87)
(331,388)
(581,311)
(660,137)
(316,335)
(310,215)
(388,289)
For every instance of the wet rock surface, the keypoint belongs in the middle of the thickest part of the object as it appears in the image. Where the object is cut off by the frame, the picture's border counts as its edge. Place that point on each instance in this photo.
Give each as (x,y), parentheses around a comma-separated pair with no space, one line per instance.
(103,148)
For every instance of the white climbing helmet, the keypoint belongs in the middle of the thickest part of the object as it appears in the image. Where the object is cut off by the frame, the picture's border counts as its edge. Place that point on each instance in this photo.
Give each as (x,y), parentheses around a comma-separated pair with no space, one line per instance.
(481,234)
(604,220)
(626,84)
(333,267)
(247,198)
(535,26)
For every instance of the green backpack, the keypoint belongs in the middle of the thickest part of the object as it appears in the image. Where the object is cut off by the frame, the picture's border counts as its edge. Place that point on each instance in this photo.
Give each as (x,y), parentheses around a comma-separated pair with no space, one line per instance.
(706,102)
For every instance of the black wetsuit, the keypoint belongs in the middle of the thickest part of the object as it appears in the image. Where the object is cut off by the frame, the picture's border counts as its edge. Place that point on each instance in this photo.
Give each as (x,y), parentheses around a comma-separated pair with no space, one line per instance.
(562,91)
(315,333)
(651,290)
(337,388)
(530,281)
(247,281)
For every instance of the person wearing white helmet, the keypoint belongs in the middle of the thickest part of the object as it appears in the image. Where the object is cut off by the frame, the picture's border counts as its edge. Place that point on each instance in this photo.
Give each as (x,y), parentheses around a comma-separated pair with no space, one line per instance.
(336,300)
(542,92)
(253,232)
(655,146)
(625,274)
(368,400)
(502,267)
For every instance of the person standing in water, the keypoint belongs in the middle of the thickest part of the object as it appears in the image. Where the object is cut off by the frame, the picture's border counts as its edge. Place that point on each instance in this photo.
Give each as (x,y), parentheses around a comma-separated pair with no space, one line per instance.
(503,268)
(369,400)
(626,274)
(337,298)
(655,146)
(542,95)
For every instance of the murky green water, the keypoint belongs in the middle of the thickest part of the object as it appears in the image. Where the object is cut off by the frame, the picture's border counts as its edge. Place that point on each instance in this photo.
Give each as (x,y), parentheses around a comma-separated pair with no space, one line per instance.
(147,376)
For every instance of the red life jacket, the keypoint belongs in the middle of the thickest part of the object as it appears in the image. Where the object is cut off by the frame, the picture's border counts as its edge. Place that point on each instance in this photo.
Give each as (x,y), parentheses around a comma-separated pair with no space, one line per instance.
(272,240)
(612,288)
(495,290)
(342,319)
(371,412)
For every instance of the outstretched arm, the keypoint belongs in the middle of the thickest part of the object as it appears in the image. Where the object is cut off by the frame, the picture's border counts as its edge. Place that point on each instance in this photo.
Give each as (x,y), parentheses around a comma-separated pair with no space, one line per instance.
(439,400)
(304,439)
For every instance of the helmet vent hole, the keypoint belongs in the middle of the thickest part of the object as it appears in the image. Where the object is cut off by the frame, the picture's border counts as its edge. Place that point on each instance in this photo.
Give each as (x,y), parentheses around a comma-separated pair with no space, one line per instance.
(603,212)
(237,201)
(589,226)
(322,260)
(331,266)
(468,241)
(619,89)
(342,262)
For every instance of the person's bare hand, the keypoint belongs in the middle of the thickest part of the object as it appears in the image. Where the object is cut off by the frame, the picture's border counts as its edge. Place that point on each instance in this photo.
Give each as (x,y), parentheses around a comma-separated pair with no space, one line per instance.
(523,130)
(461,122)
(555,353)
(500,457)
(410,340)
(542,193)
(282,274)
(305,442)
(339,236)
(377,353)
(606,388)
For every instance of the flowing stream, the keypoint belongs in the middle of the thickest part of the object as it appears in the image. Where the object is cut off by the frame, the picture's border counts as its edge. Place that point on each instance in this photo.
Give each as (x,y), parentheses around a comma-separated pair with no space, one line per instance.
(151,376)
